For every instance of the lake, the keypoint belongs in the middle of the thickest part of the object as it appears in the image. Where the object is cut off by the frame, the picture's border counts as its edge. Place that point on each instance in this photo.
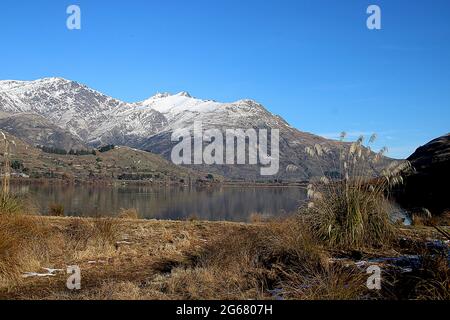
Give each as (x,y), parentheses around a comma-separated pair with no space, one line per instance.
(227,203)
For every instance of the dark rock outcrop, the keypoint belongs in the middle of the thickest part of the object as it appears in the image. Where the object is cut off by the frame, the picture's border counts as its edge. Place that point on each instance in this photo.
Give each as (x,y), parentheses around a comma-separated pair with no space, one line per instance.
(428,185)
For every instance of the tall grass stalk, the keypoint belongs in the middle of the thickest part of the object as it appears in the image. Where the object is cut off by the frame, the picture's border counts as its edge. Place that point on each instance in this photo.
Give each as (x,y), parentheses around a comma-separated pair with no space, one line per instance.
(353,210)
(9,204)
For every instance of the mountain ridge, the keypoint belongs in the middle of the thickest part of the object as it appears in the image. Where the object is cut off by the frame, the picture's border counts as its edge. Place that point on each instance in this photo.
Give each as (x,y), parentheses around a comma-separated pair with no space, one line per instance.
(97,119)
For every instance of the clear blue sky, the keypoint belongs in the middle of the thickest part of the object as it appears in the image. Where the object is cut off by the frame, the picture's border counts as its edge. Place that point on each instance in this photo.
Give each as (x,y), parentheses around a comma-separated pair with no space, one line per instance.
(313,62)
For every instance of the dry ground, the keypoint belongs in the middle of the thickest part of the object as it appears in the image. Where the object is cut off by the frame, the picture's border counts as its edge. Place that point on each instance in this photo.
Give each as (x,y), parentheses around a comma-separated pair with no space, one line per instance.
(133,265)
(138,259)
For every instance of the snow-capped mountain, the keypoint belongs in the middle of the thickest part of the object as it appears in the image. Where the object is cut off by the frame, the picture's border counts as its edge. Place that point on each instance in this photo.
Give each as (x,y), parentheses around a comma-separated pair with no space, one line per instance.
(97,119)
(88,114)
(181,110)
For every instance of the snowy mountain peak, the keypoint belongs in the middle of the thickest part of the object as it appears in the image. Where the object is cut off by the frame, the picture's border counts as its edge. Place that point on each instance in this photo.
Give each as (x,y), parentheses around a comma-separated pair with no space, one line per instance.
(184,94)
(96,118)
(248,103)
(53,79)
(161,95)
(87,114)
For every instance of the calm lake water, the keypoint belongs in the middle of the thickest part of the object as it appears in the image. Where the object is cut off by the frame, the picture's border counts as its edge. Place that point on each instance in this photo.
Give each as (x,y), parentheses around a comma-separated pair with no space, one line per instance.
(175,203)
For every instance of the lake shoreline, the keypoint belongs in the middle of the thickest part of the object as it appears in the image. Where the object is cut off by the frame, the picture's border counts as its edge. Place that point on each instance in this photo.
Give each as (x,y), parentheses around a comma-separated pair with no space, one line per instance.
(201,183)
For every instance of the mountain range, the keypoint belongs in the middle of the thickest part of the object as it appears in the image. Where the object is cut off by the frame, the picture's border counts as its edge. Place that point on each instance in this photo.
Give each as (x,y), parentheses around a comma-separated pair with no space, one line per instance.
(65,114)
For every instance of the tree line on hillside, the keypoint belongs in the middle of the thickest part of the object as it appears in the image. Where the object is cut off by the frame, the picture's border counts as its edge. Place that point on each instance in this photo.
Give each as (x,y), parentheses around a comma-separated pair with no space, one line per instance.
(75,152)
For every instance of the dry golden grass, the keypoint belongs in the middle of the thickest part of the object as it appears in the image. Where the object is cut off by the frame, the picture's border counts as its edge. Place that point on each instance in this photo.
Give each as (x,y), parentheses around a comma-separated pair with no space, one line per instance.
(225,268)
(250,264)
(28,243)
(333,283)
(106,230)
(136,259)
(434,282)
(129,214)
(303,264)
(423,217)
(257,217)
(110,290)
(10,204)
(24,244)
(437,287)
(9,253)
(91,238)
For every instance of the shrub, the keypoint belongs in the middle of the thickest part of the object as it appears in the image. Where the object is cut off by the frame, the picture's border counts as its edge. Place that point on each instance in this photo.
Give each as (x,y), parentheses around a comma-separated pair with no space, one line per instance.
(17,165)
(106,148)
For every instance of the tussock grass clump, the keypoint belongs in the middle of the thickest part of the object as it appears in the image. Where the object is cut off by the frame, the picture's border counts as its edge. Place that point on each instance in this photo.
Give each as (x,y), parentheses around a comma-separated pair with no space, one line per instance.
(333,283)
(193,217)
(240,253)
(11,204)
(303,265)
(91,238)
(208,283)
(106,230)
(229,267)
(77,233)
(24,243)
(9,249)
(354,211)
(56,210)
(291,243)
(130,213)
(438,286)
(23,240)
(83,232)
(434,283)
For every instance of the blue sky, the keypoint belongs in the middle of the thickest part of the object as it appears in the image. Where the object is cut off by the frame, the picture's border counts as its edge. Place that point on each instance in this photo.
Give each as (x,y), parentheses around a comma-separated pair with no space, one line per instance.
(313,62)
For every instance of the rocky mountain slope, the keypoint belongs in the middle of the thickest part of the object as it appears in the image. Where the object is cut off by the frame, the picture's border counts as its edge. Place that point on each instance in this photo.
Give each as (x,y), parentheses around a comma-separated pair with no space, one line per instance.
(38,131)
(96,119)
(427,185)
(89,115)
